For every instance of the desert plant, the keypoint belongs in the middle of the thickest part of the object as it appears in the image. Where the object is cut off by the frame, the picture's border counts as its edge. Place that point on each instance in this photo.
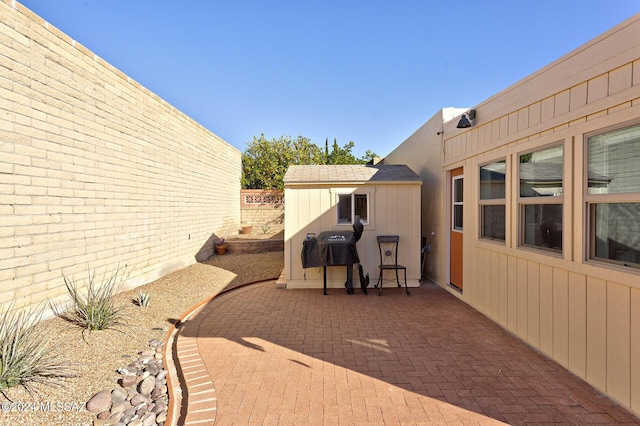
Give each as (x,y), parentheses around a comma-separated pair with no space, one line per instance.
(93,304)
(265,228)
(25,358)
(143,298)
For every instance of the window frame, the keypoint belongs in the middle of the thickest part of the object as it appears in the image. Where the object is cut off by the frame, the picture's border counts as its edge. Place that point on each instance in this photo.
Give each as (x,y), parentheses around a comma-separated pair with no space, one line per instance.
(353,193)
(455,214)
(549,200)
(490,201)
(592,200)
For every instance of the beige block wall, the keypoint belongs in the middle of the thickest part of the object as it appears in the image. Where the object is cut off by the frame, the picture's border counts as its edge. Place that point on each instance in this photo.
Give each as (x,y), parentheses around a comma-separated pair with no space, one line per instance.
(264,219)
(96,171)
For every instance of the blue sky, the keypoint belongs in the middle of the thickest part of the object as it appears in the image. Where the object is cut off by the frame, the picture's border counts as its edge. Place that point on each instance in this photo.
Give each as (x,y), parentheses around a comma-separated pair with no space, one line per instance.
(367,71)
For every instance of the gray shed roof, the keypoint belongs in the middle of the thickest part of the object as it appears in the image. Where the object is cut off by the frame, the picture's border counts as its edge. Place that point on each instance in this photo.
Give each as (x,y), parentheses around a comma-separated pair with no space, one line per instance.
(350,173)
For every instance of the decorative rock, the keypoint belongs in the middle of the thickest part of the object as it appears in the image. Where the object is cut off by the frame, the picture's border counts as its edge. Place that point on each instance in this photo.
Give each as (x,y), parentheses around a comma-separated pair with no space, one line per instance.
(118,394)
(145,359)
(156,393)
(120,407)
(130,412)
(155,343)
(142,398)
(99,402)
(137,365)
(127,381)
(147,385)
(153,368)
(104,422)
(116,417)
(149,419)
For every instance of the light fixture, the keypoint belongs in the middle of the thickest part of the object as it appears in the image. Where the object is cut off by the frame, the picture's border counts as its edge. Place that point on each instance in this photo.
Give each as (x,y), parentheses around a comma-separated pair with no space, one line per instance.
(464,122)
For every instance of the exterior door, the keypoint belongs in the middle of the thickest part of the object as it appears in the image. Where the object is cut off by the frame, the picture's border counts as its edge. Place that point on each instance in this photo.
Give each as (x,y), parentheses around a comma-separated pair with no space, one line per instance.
(457,209)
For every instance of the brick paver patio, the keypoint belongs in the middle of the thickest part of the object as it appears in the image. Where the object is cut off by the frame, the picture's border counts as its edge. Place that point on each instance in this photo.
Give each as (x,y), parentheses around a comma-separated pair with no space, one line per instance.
(262,355)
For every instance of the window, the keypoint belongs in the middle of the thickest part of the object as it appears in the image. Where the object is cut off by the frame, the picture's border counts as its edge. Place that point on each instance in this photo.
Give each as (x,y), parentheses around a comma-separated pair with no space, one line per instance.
(492,200)
(457,203)
(540,199)
(613,196)
(352,207)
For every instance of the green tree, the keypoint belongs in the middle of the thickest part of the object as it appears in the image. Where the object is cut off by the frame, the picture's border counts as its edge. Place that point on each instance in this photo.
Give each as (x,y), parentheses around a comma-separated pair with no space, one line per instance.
(265,162)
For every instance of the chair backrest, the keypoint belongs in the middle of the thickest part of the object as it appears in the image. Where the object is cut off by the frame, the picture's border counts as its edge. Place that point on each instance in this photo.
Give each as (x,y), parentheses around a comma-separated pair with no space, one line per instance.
(388,248)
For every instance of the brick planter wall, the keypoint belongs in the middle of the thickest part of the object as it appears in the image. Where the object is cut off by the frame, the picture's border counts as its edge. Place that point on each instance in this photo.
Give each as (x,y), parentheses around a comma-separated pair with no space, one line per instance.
(254,246)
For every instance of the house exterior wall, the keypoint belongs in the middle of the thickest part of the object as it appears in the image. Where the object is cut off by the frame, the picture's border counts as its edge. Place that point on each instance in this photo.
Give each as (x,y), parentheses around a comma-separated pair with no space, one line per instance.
(312,208)
(96,171)
(581,313)
(426,160)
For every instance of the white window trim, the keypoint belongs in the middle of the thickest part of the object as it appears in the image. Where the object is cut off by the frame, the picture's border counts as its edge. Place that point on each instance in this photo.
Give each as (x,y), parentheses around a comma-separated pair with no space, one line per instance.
(591,200)
(494,202)
(369,192)
(549,200)
(456,203)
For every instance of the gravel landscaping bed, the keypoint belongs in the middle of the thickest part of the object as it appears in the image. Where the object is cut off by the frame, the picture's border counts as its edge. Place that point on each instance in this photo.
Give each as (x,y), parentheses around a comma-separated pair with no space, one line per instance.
(97,356)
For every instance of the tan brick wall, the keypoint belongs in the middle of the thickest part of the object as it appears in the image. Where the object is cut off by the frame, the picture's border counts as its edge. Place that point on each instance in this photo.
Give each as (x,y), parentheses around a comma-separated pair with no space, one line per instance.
(96,171)
(264,212)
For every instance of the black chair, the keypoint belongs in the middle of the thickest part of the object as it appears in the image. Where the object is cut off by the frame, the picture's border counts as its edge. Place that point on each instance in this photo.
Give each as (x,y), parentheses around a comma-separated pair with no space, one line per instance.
(388,248)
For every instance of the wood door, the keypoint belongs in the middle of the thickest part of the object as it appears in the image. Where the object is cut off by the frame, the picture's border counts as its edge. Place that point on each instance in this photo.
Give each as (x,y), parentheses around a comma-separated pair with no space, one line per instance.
(456,229)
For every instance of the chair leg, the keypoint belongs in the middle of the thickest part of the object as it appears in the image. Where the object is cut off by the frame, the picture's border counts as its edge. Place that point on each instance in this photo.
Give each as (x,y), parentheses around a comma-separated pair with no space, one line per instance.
(405,283)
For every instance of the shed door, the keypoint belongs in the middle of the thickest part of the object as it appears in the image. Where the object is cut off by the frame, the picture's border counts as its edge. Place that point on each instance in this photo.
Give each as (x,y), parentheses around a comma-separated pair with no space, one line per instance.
(457,208)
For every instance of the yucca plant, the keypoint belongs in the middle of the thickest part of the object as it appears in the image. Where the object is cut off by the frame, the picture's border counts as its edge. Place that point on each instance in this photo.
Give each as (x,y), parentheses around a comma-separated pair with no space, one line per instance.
(93,304)
(143,298)
(25,358)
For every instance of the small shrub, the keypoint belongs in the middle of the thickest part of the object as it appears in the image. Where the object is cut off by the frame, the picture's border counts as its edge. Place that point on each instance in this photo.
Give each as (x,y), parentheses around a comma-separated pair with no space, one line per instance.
(143,298)
(93,305)
(25,358)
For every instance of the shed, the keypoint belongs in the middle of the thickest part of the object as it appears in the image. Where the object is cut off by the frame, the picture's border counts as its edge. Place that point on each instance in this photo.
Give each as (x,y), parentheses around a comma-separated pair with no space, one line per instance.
(318,198)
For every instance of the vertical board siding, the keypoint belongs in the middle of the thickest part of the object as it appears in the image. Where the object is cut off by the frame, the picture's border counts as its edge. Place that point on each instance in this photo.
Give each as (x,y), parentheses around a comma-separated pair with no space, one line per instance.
(311,208)
(522,298)
(577,323)
(494,295)
(597,332)
(487,283)
(561,304)
(503,291)
(546,309)
(618,342)
(561,316)
(512,289)
(635,350)
(533,304)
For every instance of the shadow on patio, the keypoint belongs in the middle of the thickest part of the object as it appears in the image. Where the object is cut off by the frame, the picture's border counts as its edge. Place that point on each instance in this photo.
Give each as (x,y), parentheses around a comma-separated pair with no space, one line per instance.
(303,358)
